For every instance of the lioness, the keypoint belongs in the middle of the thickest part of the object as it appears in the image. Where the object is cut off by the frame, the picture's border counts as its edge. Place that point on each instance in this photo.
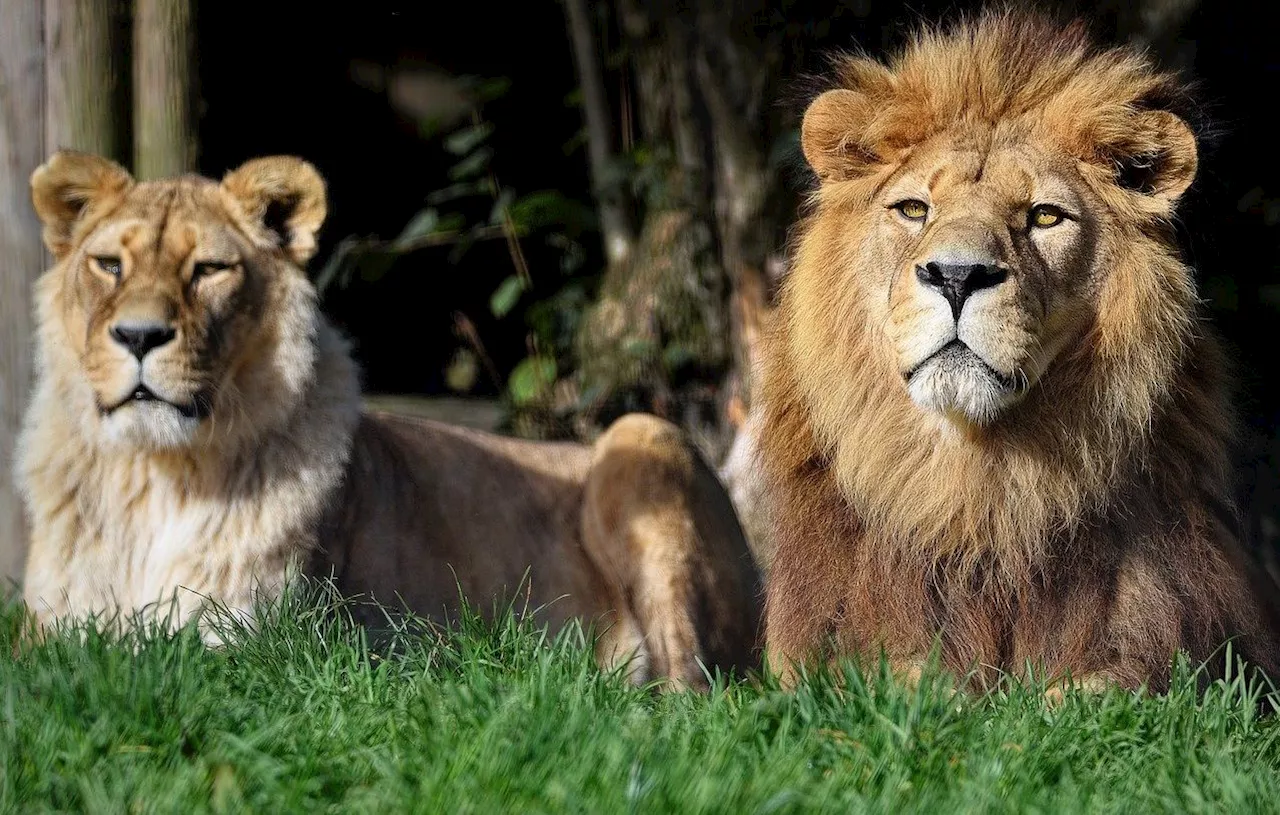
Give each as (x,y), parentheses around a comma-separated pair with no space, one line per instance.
(992,415)
(195,428)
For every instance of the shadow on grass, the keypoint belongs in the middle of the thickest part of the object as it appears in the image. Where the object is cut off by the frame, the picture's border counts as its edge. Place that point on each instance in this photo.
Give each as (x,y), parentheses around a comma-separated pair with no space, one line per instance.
(312,620)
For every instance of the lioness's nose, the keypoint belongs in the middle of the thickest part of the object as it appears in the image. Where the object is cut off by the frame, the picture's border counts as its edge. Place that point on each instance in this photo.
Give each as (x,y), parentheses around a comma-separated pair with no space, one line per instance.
(957,281)
(142,337)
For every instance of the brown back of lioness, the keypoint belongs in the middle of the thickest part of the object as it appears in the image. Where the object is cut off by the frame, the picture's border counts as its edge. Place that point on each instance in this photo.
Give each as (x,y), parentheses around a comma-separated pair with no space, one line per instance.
(634,534)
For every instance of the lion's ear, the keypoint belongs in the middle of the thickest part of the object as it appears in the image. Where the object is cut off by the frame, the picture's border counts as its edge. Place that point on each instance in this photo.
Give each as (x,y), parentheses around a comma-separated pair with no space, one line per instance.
(1157,156)
(829,135)
(284,196)
(69,184)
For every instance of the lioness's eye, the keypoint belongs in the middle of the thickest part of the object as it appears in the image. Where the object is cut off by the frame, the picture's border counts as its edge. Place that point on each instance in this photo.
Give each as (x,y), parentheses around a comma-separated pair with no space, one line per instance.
(912,209)
(108,265)
(1045,216)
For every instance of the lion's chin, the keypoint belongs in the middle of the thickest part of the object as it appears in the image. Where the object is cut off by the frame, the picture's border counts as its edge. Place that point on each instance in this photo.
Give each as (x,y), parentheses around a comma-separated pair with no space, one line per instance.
(150,425)
(957,384)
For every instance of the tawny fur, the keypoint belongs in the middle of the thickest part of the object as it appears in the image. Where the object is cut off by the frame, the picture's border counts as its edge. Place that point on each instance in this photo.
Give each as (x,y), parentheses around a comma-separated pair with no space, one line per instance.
(1079,520)
(261,464)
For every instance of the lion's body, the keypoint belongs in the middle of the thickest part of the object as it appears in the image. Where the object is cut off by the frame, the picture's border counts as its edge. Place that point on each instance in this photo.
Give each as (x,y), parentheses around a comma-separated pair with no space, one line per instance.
(233,454)
(1031,470)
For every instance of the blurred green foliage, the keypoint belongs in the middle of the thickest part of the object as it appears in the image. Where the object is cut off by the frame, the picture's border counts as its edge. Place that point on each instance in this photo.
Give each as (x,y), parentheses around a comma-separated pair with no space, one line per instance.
(549,216)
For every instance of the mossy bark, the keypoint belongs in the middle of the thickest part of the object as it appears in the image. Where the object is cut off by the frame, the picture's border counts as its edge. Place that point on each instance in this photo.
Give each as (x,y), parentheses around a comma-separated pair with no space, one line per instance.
(22,89)
(164,139)
(87,76)
(674,327)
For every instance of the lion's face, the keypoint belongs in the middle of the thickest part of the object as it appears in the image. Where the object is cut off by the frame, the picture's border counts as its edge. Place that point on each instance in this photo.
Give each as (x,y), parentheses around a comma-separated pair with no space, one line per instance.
(173,297)
(978,261)
(978,253)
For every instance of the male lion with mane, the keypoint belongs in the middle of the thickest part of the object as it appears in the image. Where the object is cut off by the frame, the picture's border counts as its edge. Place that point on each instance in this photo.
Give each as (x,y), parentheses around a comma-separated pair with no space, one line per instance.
(992,418)
(195,430)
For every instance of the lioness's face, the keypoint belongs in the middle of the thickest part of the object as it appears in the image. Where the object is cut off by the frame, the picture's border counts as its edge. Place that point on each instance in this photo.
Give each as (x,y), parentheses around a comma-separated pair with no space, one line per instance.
(988,253)
(168,306)
(170,292)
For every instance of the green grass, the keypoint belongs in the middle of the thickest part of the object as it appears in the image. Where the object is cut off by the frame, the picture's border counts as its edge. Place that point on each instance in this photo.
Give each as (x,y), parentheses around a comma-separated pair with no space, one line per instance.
(304,717)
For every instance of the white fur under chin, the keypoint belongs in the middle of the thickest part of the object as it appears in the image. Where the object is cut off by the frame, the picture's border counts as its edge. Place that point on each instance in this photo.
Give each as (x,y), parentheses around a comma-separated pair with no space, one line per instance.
(149,426)
(946,387)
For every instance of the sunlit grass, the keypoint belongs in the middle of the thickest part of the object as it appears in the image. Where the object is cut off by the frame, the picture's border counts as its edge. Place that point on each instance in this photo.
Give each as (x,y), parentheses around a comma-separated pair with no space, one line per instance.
(305,716)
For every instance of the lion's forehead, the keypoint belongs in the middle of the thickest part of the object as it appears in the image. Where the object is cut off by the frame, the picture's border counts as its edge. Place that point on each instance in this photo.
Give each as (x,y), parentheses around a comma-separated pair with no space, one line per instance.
(960,171)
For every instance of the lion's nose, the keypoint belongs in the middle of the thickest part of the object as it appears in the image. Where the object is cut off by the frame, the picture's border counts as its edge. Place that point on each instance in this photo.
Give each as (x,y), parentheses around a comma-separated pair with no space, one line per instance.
(957,281)
(142,337)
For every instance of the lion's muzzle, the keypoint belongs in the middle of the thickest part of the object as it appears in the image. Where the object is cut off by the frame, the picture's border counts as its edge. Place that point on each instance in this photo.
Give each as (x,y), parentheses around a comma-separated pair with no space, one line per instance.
(142,337)
(956,281)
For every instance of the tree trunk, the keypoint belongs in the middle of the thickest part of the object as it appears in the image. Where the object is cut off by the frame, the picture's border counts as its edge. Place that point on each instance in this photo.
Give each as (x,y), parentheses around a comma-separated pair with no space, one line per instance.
(164,141)
(21,256)
(696,291)
(85,77)
(656,339)
(734,80)
(606,177)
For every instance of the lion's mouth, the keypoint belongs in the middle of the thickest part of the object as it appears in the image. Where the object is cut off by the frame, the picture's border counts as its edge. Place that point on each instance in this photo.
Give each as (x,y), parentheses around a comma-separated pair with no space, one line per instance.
(198,408)
(956,353)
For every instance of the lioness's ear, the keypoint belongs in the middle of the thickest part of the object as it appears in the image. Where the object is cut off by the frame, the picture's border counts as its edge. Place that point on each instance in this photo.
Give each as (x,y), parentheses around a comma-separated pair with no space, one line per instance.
(66,186)
(829,135)
(1157,156)
(284,196)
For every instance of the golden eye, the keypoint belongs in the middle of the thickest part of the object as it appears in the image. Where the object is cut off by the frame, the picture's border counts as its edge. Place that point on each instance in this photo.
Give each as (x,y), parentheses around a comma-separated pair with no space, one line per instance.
(209,268)
(108,265)
(912,209)
(1045,216)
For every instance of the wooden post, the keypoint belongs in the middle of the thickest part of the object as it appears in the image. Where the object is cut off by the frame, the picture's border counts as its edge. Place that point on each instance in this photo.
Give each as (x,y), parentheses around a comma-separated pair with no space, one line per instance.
(164,141)
(85,77)
(22,92)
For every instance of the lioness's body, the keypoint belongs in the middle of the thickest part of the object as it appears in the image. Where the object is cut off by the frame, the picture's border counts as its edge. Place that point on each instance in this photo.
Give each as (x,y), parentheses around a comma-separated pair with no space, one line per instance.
(195,431)
(514,504)
(635,522)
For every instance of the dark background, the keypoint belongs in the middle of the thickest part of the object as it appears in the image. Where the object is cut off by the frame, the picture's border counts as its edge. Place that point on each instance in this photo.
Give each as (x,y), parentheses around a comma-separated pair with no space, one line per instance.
(284,84)
(281,77)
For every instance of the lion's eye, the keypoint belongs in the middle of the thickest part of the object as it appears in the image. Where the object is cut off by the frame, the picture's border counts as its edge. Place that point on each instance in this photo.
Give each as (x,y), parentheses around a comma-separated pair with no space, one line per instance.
(912,209)
(209,268)
(108,265)
(1045,216)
